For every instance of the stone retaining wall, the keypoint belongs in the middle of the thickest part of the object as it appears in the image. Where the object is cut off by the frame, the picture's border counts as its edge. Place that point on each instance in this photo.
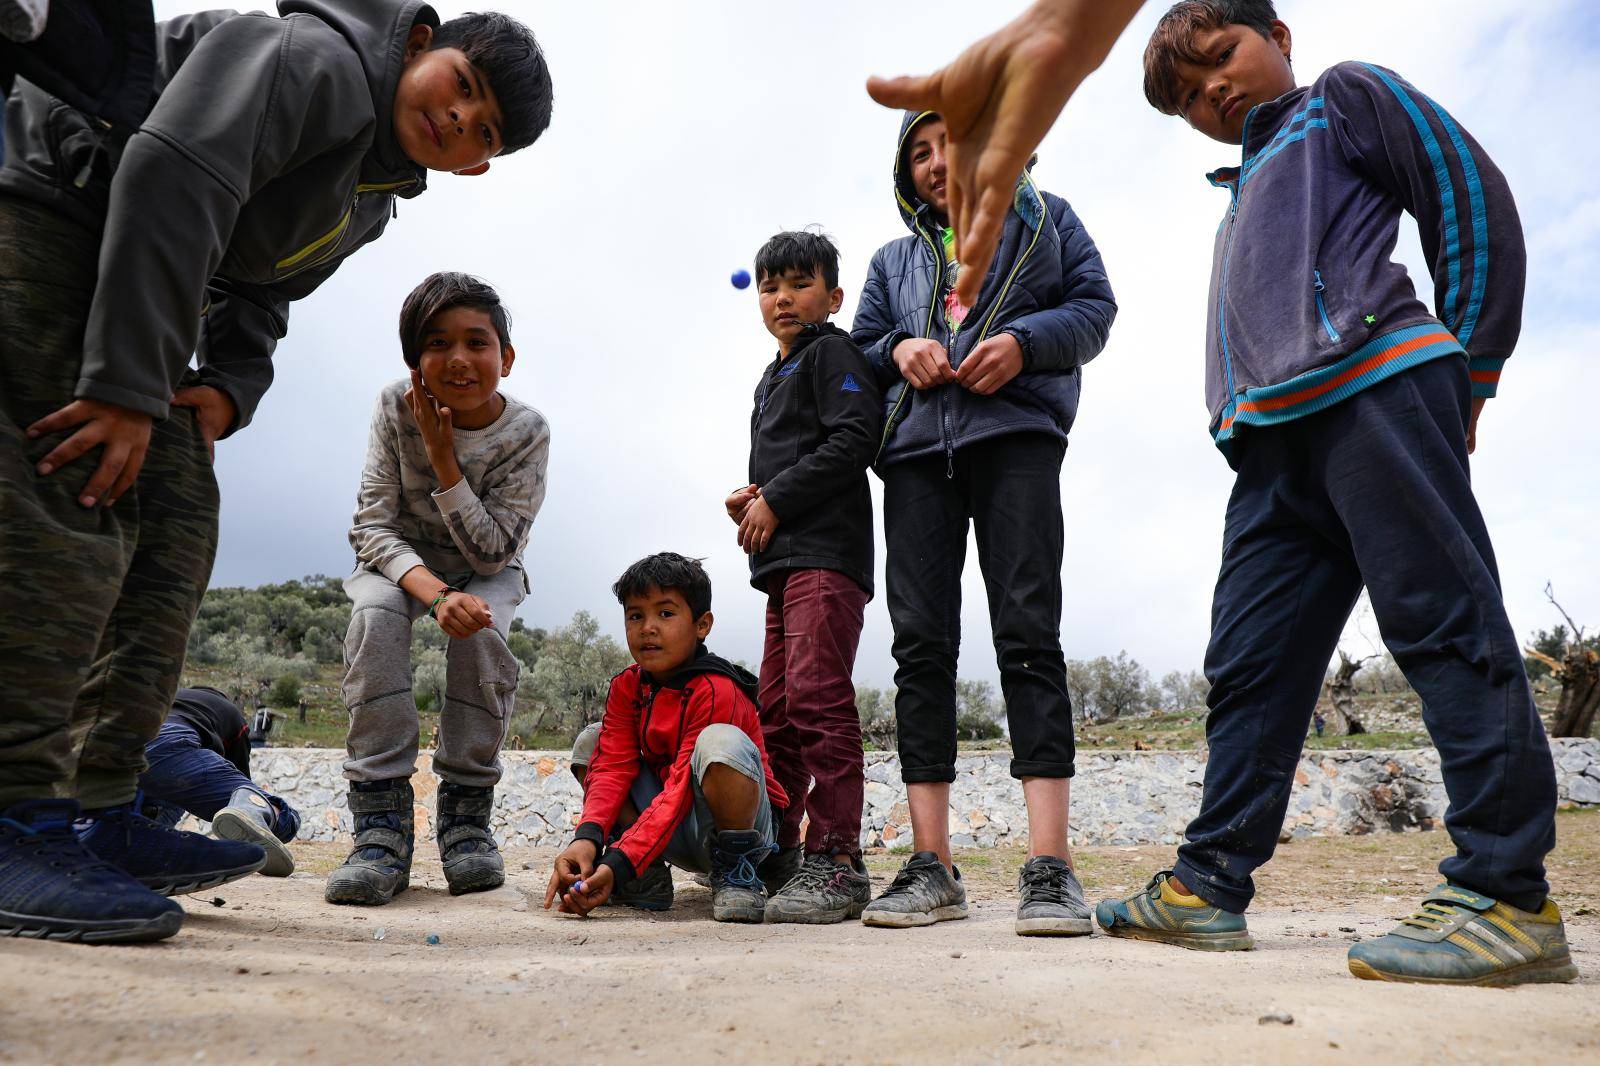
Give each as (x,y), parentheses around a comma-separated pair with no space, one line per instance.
(1118,797)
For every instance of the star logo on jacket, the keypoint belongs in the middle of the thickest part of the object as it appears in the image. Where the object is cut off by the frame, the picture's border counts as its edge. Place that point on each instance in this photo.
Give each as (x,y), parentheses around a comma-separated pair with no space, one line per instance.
(850,384)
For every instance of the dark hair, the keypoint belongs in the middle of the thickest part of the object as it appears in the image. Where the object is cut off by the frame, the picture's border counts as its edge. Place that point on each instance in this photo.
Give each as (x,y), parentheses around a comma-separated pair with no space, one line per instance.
(507,54)
(667,571)
(803,250)
(437,294)
(1173,40)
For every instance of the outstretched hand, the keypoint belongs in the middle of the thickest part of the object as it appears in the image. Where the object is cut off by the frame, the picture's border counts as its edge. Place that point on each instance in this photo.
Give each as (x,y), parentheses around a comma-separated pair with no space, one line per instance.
(998,99)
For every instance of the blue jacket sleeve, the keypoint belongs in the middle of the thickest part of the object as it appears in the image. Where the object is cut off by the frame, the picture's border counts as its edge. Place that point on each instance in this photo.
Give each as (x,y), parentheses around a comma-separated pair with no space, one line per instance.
(1073,331)
(874,329)
(1465,215)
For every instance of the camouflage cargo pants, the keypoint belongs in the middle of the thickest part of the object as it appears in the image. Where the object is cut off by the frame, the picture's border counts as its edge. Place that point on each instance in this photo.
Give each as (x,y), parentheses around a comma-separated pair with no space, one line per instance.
(95,604)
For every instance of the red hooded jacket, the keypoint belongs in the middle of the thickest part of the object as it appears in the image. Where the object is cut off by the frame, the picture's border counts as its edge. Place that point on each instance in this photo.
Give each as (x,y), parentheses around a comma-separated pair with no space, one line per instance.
(657,724)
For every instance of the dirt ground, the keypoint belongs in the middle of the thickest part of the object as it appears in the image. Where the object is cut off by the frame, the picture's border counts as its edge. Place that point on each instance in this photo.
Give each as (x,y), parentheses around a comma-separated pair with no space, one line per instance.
(274,975)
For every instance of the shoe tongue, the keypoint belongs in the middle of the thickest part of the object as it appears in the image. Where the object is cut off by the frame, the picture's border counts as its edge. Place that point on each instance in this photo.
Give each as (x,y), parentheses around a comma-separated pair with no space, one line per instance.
(1461,897)
(44,813)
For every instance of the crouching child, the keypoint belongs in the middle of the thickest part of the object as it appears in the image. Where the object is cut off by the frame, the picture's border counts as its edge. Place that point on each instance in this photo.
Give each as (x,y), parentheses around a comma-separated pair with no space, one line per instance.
(676,769)
(455,474)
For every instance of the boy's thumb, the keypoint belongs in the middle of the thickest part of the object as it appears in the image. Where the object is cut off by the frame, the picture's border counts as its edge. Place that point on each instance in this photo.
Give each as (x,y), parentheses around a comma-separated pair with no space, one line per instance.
(907,92)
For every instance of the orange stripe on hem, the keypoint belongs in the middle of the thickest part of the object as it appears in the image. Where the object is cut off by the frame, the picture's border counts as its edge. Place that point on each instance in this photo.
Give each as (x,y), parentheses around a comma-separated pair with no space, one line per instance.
(1488,377)
(1385,356)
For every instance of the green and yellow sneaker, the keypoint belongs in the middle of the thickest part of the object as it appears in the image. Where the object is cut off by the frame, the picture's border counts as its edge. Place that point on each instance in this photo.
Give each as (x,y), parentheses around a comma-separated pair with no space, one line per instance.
(1158,912)
(1460,937)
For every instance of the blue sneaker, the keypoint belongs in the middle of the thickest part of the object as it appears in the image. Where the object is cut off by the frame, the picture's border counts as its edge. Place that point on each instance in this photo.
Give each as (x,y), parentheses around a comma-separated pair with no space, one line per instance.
(1161,913)
(162,859)
(54,888)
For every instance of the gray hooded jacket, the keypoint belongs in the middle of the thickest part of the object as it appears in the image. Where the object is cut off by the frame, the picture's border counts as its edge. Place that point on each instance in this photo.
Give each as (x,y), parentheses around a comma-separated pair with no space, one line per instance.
(268,158)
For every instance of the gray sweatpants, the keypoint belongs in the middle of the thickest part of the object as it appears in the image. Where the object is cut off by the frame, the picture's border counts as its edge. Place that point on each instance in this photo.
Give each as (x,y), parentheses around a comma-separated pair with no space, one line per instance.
(480,682)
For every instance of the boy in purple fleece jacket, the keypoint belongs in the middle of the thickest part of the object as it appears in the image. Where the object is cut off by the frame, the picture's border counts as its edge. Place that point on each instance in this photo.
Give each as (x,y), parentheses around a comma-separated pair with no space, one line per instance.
(1348,411)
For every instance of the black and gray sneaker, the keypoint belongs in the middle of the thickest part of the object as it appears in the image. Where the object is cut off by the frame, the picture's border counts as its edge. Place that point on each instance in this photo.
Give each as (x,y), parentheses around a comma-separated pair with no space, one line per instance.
(821,893)
(1052,900)
(650,891)
(737,894)
(922,893)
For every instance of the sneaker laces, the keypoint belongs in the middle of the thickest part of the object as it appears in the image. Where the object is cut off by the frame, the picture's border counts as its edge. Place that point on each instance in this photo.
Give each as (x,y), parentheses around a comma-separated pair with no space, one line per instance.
(738,868)
(906,879)
(1435,914)
(815,872)
(1047,882)
(56,843)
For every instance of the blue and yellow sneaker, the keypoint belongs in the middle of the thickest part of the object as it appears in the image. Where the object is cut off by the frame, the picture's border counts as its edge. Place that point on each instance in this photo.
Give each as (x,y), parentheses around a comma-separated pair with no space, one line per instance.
(1159,912)
(1461,937)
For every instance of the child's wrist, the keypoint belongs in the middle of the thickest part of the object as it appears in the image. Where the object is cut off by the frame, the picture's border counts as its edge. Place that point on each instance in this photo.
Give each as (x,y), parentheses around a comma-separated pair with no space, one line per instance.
(439,601)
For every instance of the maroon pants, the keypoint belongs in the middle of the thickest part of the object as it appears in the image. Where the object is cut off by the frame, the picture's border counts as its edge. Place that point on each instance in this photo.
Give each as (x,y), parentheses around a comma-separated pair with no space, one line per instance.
(808,706)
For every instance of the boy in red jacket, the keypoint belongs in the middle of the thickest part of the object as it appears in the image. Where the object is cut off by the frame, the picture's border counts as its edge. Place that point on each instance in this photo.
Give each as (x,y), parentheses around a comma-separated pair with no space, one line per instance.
(679,770)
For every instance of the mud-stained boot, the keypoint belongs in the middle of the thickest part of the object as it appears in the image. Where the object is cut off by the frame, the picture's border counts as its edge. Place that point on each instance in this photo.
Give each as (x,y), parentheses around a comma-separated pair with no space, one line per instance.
(472,862)
(380,864)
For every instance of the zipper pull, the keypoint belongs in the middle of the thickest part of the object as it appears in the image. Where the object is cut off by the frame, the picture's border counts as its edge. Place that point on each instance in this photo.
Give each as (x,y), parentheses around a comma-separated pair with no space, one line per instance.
(1316,284)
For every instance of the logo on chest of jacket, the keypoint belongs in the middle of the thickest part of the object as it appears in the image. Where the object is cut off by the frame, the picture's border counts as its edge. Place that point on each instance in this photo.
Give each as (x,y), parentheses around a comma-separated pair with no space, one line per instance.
(850,384)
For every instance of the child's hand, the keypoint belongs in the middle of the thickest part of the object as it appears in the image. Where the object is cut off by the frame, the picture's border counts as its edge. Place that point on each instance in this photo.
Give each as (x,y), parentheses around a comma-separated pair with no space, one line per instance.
(923,362)
(213,409)
(438,432)
(738,500)
(463,614)
(1472,425)
(124,433)
(572,865)
(991,364)
(757,526)
(584,896)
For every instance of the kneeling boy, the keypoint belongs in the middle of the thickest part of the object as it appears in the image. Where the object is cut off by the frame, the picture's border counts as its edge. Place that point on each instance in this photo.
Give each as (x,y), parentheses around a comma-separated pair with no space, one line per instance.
(455,474)
(679,770)
(1348,411)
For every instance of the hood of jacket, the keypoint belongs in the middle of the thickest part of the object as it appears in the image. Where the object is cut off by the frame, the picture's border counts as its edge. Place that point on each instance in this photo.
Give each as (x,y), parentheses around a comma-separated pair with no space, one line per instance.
(377,31)
(706,662)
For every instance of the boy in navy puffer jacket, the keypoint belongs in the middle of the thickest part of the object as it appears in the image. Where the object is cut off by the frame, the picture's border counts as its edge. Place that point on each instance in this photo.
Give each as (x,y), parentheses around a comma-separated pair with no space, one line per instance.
(979,401)
(1348,411)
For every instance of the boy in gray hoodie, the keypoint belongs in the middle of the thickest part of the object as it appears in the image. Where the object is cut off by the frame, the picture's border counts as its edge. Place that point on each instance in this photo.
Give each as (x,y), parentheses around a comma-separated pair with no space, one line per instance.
(274,148)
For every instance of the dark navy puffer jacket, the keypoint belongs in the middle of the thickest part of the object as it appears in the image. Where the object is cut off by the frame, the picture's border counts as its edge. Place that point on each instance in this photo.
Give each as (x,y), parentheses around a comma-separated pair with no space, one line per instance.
(1047,287)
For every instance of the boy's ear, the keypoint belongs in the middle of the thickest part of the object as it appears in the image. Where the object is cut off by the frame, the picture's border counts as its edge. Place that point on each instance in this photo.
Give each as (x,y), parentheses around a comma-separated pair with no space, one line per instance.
(417,40)
(1280,37)
(507,356)
(472,172)
(702,625)
(835,301)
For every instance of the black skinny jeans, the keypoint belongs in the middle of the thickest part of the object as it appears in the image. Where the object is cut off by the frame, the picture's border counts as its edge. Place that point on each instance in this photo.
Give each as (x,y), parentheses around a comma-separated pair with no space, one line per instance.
(1010,489)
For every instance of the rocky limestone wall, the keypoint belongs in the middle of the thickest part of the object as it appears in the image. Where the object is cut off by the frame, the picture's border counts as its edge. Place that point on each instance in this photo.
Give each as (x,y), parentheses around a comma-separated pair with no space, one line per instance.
(1118,797)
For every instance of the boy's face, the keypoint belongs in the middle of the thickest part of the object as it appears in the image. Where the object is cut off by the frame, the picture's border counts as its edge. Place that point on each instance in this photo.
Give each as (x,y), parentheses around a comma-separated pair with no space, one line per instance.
(1242,69)
(793,299)
(925,159)
(462,361)
(662,632)
(446,116)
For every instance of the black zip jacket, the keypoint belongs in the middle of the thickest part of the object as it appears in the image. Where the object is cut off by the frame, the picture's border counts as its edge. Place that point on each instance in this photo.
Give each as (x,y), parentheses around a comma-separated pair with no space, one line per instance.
(815,428)
(216,721)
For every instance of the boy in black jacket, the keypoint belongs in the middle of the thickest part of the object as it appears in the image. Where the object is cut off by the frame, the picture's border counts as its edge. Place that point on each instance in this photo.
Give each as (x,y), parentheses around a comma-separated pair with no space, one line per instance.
(275,147)
(806,521)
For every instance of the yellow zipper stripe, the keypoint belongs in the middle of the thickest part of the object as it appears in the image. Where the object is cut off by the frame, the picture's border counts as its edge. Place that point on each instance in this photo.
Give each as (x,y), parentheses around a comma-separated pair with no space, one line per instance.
(344,224)
(1044,218)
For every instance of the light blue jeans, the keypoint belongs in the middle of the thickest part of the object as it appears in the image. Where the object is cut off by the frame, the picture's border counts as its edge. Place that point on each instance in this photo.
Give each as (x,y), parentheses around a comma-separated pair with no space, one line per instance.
(690,846)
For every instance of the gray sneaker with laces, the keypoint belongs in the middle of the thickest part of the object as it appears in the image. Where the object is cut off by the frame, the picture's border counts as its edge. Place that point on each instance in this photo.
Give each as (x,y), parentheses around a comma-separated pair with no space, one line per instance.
(1052,900)
(922,893)
(822,892)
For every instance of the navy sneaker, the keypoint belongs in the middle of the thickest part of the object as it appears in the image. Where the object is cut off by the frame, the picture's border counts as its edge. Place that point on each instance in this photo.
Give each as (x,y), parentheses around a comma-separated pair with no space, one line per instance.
(162,859)
(54,888)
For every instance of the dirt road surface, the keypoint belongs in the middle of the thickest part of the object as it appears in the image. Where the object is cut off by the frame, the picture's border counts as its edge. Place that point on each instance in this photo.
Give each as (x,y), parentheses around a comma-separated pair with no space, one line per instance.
(275,975)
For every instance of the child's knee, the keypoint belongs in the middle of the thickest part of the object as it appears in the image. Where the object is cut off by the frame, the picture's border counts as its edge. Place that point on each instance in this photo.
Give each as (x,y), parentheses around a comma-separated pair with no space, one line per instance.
(583,749)
(726,745)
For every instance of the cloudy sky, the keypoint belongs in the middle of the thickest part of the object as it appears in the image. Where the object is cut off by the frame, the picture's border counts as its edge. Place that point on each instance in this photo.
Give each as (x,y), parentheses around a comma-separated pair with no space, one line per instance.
(685,134)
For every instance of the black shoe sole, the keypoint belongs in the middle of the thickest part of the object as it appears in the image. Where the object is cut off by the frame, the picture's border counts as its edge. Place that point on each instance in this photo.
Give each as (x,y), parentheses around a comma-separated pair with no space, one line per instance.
(99,931)
(360,893)
(182,886)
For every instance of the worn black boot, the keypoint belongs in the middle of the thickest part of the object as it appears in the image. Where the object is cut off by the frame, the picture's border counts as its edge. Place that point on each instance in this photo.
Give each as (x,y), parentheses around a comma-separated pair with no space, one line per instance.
(380,865)
(472,862)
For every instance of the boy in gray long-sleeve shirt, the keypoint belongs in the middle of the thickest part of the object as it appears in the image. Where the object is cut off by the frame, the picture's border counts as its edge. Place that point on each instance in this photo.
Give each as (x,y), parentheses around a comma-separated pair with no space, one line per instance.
(455,474)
